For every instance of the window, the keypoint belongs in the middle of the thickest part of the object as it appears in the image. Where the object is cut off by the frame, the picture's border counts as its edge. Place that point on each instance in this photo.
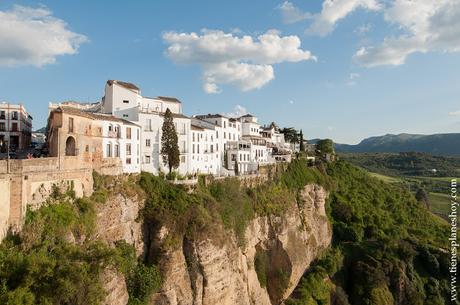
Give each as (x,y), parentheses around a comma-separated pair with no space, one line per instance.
(117,151)
(241,159)
(148,125)
(217,134)
(2,127)
(193,136)
(198,148)
(225,135)
(147,142)
(138,134)
(14,127)
(128,149)
(233,157)
(182,159)
(87,148)
(14,115)
(128,160)
(225,124)
(128,132)
(70,124)
(217,147)
(110,127)
(147,159)
(2,115)
(109,150)
(193,148)
(212,148)
(125,101)
(125,115)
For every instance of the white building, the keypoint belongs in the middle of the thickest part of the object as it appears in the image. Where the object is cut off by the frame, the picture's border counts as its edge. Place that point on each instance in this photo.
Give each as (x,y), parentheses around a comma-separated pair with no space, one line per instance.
(93,137)
(121,139)
(124,100)
(239,156)
(205,149)
(15,126)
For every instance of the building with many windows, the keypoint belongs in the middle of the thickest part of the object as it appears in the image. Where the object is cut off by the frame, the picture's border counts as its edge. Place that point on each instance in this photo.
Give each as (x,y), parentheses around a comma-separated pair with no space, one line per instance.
(94,138)
(15,126)
(208,144)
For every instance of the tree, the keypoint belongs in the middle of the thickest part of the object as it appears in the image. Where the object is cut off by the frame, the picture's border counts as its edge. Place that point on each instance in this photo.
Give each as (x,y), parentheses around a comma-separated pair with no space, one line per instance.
(290,135)
(422,197)
(302,144)
(325,146)
(169,146)
(237,170)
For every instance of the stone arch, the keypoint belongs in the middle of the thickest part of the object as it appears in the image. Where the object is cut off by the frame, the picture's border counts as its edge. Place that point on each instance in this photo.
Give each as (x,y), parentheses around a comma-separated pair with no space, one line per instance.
(70,147)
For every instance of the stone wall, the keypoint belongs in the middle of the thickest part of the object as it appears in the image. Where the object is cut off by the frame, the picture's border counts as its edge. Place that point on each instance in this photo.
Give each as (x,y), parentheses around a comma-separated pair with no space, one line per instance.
(28,183)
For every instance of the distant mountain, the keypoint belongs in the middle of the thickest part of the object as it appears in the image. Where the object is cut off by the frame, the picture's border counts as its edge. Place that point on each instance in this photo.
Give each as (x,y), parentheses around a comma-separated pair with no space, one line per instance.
(447,144)
(41,130)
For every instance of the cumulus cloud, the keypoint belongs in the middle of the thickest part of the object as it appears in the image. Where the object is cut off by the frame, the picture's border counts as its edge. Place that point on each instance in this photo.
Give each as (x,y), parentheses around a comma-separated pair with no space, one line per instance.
(455,113)
(238,111)
(33,36)
(242,61)
(426,25)
(335,10)
(292,14)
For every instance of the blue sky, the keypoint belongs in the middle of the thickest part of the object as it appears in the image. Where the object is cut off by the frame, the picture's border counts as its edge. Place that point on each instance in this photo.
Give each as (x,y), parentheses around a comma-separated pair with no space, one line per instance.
(375,72)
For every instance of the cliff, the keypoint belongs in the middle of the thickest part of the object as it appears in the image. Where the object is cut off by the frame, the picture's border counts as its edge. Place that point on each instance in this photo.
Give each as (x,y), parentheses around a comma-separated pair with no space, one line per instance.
(215,268)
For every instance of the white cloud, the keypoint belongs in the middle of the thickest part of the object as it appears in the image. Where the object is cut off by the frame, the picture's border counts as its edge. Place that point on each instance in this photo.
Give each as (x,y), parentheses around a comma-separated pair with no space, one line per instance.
(363,29)
(237,112)
(352,79)
(291,102)
(426,26)
(335,10)
(292,14)
(455,113)
(33,36)
(225,58)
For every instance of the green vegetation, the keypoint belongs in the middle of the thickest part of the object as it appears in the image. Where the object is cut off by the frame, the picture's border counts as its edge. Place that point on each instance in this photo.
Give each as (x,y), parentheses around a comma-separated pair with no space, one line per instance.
(382,237)
(260,265)
(405,164)
(56,260)
(325,146)
(439,203)
(413,171)
(43,264)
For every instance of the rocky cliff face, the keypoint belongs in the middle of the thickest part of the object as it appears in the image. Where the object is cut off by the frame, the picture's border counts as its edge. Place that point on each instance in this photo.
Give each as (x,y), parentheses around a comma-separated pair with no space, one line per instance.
(213,271)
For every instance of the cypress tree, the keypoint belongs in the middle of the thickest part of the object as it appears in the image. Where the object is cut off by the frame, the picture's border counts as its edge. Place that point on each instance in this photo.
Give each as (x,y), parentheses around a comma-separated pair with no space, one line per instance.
(169,146)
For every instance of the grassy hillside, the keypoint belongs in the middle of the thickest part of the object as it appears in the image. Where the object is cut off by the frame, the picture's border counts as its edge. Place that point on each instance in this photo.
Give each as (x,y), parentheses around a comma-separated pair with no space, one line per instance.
(406,164)
(386,247)
(414,171)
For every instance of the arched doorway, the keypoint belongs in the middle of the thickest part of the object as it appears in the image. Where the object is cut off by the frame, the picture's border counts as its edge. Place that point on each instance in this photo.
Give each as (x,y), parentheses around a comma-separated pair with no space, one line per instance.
(70,147)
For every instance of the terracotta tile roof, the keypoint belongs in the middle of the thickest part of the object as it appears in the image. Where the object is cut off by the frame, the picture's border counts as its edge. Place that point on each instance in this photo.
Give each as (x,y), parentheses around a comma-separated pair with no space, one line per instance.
(210,116)
(92,115)
(176,115)
(126,85)
(169,99)
(196,127)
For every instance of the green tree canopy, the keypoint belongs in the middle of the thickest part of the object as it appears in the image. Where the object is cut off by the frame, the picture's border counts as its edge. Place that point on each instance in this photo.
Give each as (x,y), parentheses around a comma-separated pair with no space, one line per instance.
(325,146)
(290,134)
(169,146)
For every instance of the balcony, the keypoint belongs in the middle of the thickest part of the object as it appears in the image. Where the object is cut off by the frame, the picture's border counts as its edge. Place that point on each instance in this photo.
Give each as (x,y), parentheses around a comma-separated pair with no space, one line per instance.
(114,134)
